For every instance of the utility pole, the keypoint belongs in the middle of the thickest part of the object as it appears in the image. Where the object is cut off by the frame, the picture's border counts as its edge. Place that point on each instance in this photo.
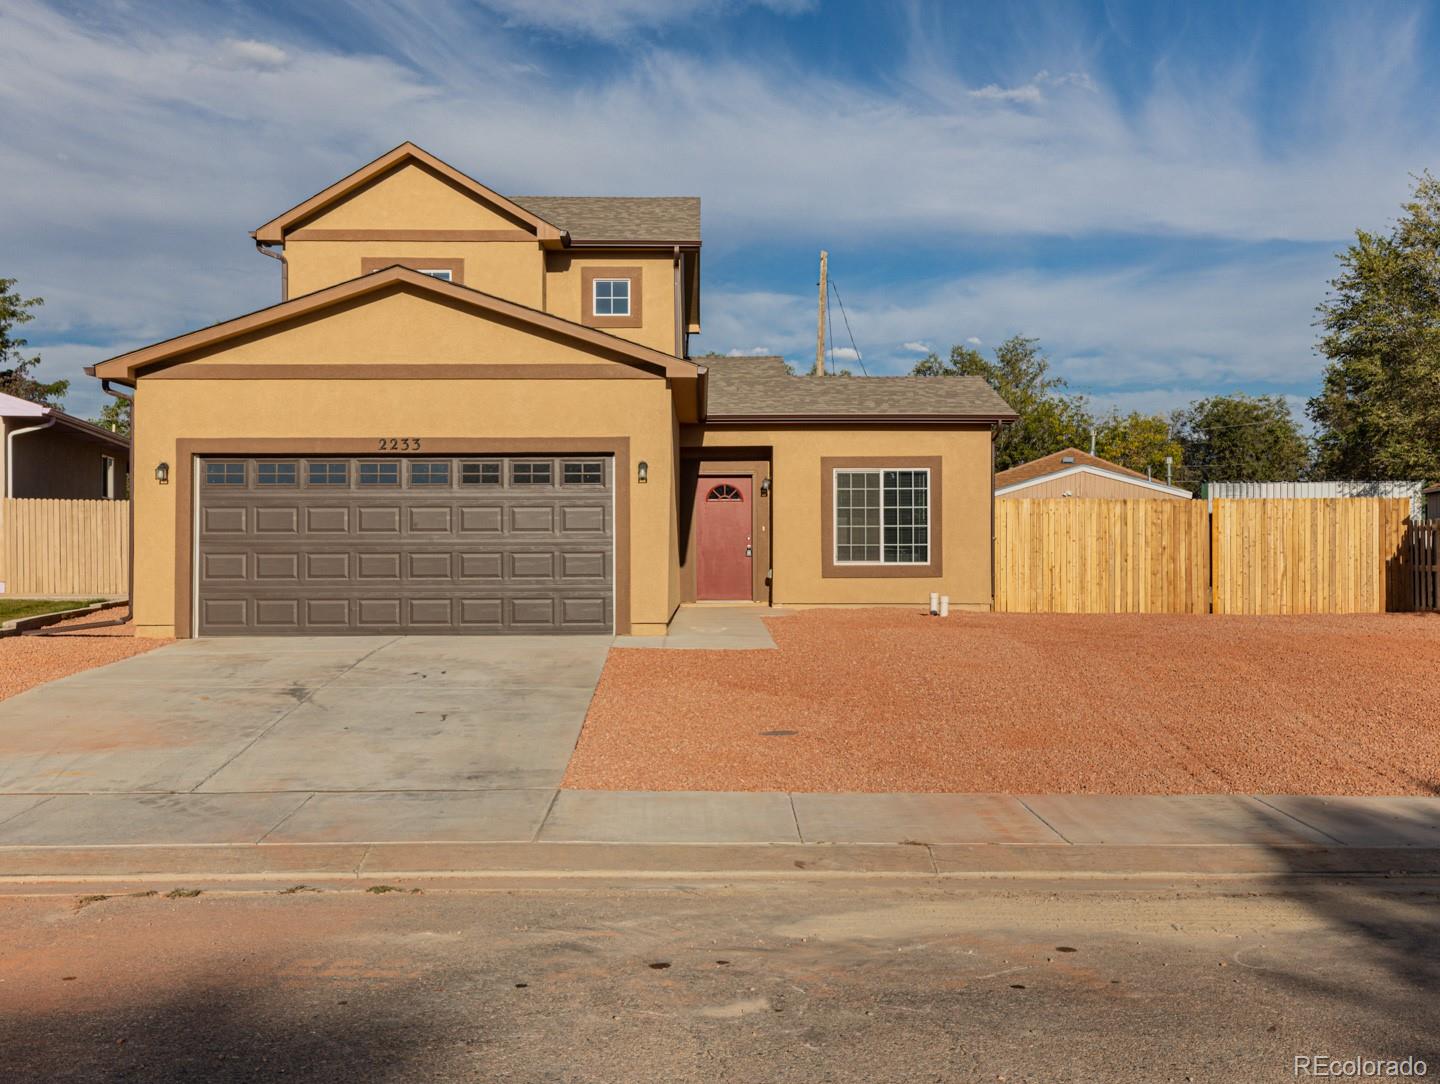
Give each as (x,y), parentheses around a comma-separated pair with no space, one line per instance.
(1092,440)
(820,326)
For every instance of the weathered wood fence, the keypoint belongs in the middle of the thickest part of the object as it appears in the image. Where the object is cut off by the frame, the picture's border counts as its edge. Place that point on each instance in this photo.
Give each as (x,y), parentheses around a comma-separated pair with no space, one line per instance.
(1343,555)
(64,547)
(1423,559)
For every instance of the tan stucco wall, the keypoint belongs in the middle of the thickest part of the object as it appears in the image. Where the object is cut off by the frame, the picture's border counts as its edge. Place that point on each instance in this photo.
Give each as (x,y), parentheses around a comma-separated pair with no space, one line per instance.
(513,270)
(1089,485)
(563,293)
(401,327)
(796,510)
(411,197)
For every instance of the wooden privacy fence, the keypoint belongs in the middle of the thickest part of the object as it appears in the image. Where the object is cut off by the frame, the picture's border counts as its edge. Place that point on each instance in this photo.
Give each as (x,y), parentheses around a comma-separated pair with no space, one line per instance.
(1423,557)
(1067,555)
(64,547)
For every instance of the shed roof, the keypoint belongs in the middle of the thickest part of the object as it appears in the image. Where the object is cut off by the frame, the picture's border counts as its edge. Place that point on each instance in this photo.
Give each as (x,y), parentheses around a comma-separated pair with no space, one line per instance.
(1050,464)
(763,388)
(12,406)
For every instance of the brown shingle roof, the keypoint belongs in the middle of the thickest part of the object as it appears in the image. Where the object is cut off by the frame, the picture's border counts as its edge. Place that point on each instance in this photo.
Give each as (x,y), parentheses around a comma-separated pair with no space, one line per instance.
(620,218)
(751,387)
(1050,464)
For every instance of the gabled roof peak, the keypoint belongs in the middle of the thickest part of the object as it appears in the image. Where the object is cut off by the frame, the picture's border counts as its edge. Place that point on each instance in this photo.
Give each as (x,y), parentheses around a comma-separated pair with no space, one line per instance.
(274,231)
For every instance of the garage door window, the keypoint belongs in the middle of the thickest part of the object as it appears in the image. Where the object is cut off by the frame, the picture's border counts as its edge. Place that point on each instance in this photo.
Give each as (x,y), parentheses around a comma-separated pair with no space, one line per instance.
(224,474)
(328,474)
(379,474)
(479,474)
(429,474)
(589,473)
(525,473)
(275,474)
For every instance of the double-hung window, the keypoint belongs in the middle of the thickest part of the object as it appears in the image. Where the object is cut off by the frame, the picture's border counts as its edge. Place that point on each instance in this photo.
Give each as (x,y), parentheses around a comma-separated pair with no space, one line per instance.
(882,517)
(612,297)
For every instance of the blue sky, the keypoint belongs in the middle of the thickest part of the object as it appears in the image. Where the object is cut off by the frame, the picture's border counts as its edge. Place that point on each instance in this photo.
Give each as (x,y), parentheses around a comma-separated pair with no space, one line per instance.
(1155,191)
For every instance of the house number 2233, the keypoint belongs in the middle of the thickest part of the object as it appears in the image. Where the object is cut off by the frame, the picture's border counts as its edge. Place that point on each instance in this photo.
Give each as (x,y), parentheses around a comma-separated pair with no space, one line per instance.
(399,444)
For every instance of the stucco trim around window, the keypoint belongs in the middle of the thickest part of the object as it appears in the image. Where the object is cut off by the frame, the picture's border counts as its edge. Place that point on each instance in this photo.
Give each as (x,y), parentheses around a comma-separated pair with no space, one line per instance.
(829,569)
(588,275)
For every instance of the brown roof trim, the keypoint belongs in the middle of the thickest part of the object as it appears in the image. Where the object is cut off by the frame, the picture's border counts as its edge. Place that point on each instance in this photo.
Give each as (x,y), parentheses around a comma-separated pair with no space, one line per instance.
(273,232)
(127,366)
(90,429)
(859,419)
(658,243)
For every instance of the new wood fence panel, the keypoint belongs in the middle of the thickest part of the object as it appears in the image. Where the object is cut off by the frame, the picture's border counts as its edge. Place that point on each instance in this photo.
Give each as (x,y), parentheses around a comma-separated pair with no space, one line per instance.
(1068,555)
(1307,556)
(64,547)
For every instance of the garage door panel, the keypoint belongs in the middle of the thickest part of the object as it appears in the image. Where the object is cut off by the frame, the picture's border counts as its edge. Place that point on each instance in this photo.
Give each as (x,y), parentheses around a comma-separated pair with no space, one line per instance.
(329,520)
(460,557)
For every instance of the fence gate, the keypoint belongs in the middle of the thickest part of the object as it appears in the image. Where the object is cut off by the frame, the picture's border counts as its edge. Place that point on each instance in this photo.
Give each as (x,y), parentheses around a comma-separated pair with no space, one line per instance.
(1423,557)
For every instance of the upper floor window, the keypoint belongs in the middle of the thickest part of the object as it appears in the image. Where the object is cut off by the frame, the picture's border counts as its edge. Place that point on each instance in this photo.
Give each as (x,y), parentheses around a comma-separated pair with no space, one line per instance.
(612,297)
(442,273)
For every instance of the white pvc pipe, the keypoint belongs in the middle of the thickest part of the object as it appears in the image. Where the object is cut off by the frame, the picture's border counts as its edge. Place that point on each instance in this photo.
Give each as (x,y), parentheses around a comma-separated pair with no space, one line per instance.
(10,452)
(944,605)
(934,603)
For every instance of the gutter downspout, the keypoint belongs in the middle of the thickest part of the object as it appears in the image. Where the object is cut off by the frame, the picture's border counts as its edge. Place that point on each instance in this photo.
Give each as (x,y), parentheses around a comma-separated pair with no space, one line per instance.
(10,452)
(680,350)
(994,433)
(264,249)
(130,541)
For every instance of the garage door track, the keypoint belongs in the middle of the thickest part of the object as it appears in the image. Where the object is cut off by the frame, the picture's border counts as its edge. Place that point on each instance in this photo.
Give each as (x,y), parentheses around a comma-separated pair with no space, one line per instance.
(299,740)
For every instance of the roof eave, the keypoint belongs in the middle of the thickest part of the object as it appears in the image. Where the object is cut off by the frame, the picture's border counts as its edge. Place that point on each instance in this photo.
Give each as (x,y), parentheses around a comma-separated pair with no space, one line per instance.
(860,419)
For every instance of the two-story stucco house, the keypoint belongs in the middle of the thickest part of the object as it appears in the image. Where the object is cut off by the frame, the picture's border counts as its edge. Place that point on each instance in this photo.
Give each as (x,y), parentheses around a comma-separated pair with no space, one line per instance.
(477,413)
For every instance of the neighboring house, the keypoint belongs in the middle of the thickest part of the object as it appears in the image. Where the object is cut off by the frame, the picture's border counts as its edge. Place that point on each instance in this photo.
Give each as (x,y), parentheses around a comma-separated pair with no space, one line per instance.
(1073,473)
(1432,503)
(47,453)
(475,413)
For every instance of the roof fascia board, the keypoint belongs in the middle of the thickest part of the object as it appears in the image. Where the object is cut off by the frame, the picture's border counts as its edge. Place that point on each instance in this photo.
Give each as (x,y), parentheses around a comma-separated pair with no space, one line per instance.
(1085,468)
(127,366)
(858,419)
(273,232)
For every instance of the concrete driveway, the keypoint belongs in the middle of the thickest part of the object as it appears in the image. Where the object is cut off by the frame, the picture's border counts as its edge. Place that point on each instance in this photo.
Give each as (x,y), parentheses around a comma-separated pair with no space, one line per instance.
(299,740)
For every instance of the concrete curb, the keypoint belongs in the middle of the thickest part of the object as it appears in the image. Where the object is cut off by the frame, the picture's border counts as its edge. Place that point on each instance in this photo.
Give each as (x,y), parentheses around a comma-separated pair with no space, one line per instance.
(410,861)
(22,625)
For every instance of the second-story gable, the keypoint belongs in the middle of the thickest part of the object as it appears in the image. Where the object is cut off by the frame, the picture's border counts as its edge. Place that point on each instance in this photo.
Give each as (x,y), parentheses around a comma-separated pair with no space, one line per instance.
(629,265)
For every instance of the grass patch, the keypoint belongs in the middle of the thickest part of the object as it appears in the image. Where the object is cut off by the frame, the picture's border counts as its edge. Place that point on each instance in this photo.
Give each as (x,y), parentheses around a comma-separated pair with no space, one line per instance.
(13,608)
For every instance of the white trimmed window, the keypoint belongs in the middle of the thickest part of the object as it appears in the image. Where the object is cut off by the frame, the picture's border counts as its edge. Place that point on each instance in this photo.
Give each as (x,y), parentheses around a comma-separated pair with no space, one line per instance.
(442,273)
(612,297)
(882,517)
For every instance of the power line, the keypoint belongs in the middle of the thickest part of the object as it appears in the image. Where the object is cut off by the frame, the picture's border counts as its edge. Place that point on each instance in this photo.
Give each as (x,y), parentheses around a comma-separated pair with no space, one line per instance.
(844,316)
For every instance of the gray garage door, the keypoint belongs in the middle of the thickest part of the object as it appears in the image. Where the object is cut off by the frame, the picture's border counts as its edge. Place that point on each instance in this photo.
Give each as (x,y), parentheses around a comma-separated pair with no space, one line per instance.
(297,545)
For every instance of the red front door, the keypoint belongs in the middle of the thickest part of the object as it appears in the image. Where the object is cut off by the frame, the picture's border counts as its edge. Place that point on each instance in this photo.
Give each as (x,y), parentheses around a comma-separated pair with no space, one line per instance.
(723,559)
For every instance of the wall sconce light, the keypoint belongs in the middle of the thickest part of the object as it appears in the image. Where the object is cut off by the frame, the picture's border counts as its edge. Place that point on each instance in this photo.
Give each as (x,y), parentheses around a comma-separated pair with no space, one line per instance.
(642,472)
(765,488)
(162,473)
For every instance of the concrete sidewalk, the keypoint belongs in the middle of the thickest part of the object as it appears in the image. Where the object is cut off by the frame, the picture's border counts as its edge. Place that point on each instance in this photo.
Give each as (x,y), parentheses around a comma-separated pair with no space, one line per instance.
(545,830)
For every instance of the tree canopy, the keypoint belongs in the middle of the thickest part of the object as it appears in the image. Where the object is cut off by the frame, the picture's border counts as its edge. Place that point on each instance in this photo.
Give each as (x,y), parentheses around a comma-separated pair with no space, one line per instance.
(1050,418)
(1240,438)
(1377,415)
(16,370)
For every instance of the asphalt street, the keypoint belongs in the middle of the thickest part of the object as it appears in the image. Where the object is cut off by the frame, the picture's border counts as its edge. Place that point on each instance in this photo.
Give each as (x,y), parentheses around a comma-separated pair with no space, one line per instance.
(818,979)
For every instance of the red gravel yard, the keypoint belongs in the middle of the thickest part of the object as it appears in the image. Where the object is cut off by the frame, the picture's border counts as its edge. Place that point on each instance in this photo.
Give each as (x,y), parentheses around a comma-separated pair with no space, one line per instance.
(885,700)
(27,661)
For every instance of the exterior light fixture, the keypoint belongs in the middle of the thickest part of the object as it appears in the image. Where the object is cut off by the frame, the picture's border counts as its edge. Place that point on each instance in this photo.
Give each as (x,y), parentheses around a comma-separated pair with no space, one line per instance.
(642,472)
(162,473)
(765,488)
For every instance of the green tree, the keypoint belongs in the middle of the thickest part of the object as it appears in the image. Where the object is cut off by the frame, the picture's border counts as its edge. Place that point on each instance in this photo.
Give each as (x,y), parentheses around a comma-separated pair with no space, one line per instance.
(1049,418)
(115,415)
(1139,441)
(1241,438)
(1377,414)
(16,370)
